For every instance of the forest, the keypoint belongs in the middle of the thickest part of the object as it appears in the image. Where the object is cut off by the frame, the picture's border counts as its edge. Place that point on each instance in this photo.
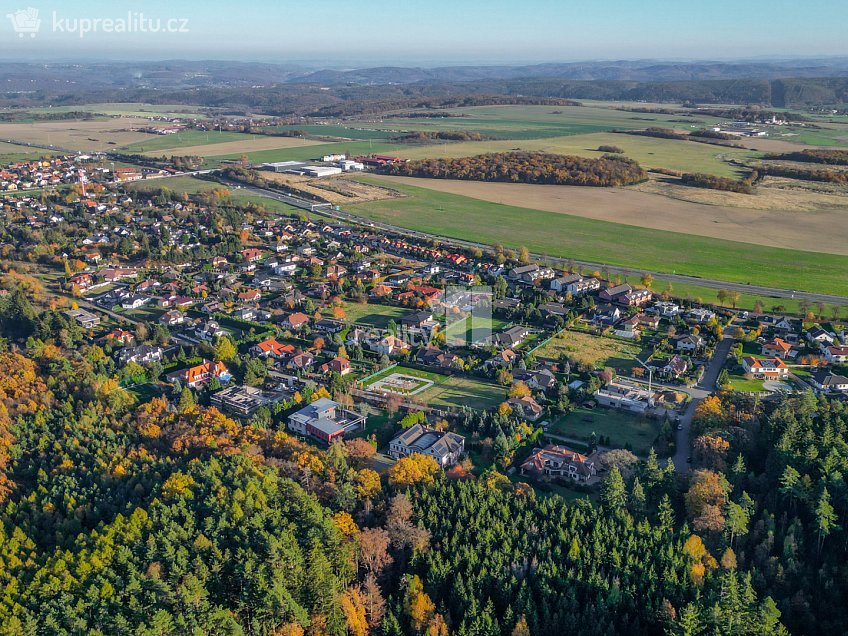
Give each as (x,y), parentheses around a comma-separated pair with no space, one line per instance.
(528,167)
(817,155)
(712,182)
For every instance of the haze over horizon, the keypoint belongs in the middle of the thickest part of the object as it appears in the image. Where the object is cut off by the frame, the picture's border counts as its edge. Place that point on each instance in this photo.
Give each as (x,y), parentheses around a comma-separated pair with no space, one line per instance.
(354,35)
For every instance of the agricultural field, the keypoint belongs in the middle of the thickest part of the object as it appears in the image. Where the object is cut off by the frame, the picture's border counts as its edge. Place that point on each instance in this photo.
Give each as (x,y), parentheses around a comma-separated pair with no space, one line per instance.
(824,228)
(126,109)
(536,122)
(14,152)
(304,153)
(590,351)
(336,131)
(650,152)
(85,136)
(598,241)
(450,391)
(202,143)
(625,429)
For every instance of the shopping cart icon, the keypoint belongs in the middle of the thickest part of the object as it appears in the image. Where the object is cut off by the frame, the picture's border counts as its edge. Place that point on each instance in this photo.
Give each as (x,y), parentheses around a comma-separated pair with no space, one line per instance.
(25,21)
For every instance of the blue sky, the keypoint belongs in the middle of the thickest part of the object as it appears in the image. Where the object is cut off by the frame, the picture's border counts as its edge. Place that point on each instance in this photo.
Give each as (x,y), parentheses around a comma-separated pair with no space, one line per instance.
(351,32)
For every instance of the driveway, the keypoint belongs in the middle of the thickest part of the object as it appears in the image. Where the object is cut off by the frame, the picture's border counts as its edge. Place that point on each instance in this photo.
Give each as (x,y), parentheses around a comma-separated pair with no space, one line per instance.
(698,392)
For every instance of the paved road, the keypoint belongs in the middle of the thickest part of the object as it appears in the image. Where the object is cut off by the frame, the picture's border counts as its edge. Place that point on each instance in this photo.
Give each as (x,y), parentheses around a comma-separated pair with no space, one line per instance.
(698,393)
(624,271)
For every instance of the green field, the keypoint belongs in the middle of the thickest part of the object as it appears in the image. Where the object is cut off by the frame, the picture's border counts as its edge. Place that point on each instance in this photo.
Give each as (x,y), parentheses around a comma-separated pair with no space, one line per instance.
(186,139)
(451,391)
(307,153)
(592,351)
(650,152)
(128,109)
(623,428)
(373,315)
(339,132)
(602,242)
(537,122)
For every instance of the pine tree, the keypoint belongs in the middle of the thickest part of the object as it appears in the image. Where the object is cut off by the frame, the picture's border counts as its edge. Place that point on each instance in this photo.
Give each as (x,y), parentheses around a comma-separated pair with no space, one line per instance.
(613,490)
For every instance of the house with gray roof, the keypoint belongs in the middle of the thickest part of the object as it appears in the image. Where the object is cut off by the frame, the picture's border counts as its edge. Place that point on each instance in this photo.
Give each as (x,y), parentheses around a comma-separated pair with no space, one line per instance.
(445,447)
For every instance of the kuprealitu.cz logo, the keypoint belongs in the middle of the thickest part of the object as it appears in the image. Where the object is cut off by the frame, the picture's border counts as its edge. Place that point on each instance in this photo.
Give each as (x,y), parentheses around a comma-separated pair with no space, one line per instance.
(27,22)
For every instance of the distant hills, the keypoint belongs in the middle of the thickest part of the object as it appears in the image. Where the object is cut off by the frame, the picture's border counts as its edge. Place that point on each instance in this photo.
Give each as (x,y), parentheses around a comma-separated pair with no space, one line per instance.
(285,89)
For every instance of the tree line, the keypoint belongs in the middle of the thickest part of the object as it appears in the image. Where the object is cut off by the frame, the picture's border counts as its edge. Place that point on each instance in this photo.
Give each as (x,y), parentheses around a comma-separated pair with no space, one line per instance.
(528,167)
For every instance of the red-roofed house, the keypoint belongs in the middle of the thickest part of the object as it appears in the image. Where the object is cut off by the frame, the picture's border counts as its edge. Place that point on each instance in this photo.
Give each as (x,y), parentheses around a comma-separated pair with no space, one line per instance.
(765,368)
(270,348)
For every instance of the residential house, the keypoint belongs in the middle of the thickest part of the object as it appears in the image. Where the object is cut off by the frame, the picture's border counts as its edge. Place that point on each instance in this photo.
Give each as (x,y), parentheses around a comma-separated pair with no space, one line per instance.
(326,421)
(336,365)
(171,318)
(432,356)
(827,382)
(301,361)
(818,336)
(765,368)
(690,343)
(836,354)
(389,345)
(526,407)
(270,348)
(675,367)
(85,319)
(201,374)
(511,338)
(142,354)
(329,326)
(559,461)
(243,401)
(776,348)
(209,331)
(445,447)
(295,321)
(621,395)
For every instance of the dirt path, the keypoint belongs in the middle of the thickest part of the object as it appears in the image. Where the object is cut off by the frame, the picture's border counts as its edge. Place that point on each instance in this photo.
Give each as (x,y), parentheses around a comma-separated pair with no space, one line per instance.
(824,230)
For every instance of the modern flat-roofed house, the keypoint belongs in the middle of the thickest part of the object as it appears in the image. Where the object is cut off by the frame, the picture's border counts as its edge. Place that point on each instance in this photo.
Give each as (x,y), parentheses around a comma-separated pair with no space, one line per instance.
(86,319)
(326,421)
(445,447)
(240,400)
(559,461)
(625,396)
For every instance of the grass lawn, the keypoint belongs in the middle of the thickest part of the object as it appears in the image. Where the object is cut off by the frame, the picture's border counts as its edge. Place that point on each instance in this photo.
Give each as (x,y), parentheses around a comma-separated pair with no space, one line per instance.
(623,428)
(592,351)
(742,384)
(373,315)
(603,242)
(451,391)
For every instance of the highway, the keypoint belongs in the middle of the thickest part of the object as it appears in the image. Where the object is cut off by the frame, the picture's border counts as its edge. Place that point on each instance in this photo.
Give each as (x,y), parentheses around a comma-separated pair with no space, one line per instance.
(341,215)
